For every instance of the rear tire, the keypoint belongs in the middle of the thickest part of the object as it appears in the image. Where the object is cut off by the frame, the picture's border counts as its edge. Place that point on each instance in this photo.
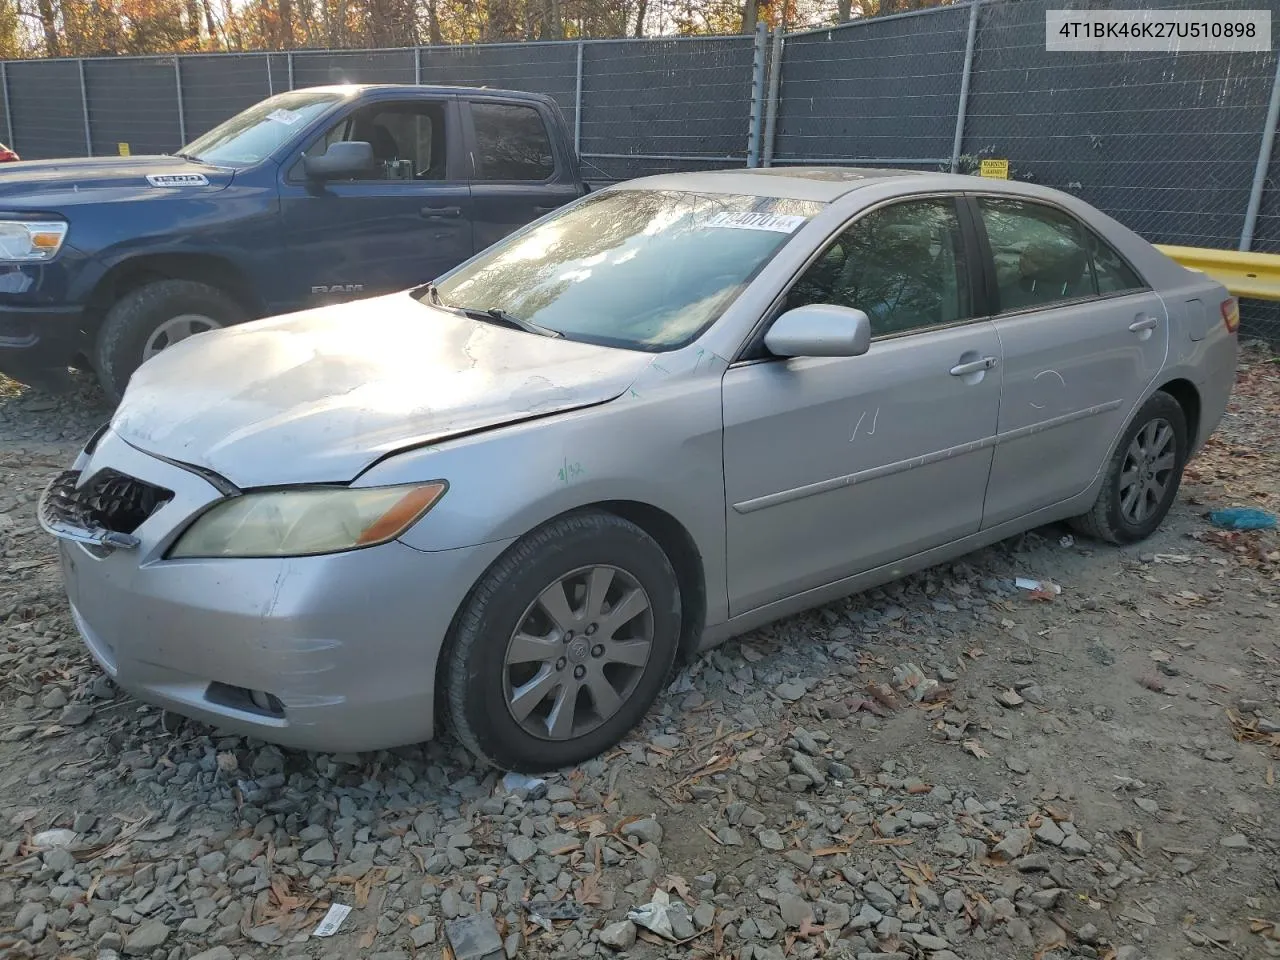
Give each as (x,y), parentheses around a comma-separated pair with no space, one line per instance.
(510,671)
(135,326)
(1143,476)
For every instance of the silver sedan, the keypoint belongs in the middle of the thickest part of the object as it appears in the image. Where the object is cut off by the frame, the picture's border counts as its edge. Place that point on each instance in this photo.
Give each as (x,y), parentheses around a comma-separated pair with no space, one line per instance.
(666,414)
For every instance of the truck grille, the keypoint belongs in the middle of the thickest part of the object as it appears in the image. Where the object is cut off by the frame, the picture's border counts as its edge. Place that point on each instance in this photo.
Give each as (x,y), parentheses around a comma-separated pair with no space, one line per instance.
(108,501)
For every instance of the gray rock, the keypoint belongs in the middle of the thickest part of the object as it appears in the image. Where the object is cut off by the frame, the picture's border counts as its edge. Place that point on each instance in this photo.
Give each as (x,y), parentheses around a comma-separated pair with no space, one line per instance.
(704,915)
(929,942)
(1032,863)
(1237,841)
(952,845)
(794,910)
(146,937)
(646,830)
(473,937)
(1076,844)
(1147,805)
(771,840)
(953,900)
(1051,834)
(1012,845)
(424,934)
(217,953)
(452,905)
(879,897)
(75,714)
(806,766)
(619,936)
(790,691)
(867,917)
(521,849)
(320,853)
(212,863)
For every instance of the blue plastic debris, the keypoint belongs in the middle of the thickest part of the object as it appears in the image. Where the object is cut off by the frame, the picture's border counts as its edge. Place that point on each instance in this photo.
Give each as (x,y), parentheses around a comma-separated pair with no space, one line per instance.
(1242,518)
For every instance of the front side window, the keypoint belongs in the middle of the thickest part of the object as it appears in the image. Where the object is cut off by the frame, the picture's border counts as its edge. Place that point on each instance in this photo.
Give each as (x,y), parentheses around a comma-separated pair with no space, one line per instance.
(408,139)
(250,137)
(639,269)
(903,265)
(511,143)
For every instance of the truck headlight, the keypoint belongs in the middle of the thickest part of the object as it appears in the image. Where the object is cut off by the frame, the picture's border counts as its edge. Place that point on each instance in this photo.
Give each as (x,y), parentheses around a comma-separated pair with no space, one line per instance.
(24,241)
(304,521)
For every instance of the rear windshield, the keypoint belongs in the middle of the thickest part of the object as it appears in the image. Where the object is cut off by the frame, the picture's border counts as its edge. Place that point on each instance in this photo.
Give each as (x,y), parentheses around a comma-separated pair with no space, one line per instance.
(641,269)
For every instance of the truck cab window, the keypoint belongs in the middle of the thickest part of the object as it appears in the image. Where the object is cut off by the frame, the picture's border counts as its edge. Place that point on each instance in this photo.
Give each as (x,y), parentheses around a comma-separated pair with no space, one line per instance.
(511,143)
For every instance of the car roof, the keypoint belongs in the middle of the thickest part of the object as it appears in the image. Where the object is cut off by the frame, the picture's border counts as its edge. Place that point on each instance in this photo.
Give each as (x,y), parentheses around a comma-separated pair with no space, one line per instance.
(412,90)
(823,184)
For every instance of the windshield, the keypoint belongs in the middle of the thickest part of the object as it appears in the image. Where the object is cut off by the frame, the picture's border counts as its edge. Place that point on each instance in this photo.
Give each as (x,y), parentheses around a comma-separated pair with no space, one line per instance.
(642,269)
(252,136)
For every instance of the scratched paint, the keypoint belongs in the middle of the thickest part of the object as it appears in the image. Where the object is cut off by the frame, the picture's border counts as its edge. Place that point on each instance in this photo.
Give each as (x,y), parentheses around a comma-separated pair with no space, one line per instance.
(1046,373)
(871,431)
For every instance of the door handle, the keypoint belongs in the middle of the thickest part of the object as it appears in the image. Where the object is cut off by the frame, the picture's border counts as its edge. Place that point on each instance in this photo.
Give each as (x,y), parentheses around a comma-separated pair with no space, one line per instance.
(439,213)
(1145,323)
(974,366)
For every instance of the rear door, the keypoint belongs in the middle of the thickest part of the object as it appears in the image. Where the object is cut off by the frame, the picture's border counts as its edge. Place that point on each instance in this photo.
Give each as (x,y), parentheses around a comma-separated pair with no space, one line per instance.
(517,171)
(1083,336)
(406,222)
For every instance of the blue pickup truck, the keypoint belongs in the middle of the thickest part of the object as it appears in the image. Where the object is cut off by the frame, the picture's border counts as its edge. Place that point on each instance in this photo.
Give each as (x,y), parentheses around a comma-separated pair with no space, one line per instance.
(310,197)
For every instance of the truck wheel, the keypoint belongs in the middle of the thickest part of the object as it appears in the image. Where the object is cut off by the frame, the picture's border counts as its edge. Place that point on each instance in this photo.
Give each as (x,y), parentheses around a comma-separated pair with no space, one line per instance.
(145,321)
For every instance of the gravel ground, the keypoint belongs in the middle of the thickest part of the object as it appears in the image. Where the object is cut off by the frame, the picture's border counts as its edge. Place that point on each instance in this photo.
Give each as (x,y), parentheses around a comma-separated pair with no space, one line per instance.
(948,767)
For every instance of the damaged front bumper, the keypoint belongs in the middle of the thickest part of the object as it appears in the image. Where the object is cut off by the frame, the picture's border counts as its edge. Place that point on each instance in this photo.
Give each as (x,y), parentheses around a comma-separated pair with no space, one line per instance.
(332,653)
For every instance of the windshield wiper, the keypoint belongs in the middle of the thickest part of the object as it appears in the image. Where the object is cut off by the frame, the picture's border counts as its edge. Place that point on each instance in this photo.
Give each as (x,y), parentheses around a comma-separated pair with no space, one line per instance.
(192,158)
(510,320)
(490,315)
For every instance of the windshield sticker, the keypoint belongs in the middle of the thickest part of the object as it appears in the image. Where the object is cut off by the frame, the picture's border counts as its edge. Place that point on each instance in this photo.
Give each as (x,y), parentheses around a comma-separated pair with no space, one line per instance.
(287,117)
(177,180)
(756,221)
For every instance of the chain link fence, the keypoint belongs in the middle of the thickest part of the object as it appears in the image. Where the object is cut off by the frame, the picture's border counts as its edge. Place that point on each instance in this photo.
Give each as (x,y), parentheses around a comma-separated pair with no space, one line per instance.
(1170,144)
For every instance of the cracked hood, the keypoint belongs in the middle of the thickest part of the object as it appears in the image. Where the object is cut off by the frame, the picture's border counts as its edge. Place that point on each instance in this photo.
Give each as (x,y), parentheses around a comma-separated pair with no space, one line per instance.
(317,396)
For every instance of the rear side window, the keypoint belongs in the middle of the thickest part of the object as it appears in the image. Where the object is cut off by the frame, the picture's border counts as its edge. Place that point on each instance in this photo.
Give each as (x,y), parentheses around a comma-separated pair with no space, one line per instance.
(511,143)
(1039,252)
(1113,274)
(1044,256)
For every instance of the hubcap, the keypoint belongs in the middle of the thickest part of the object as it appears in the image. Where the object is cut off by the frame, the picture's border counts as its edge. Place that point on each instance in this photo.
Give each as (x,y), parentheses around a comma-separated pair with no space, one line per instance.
(175,329)
(1147,471)
(559,684)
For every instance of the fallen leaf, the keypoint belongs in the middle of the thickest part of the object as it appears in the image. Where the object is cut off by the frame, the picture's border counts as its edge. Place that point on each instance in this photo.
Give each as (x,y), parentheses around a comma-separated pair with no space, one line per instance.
(975,748)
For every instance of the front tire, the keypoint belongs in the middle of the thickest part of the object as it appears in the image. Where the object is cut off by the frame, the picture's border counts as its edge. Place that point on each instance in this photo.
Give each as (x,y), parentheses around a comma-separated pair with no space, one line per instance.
(146,320)
(563,645)
(1143,476)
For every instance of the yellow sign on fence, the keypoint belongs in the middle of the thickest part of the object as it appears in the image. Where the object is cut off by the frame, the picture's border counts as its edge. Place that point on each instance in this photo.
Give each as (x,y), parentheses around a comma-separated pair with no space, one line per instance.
(996,169)
(123,148)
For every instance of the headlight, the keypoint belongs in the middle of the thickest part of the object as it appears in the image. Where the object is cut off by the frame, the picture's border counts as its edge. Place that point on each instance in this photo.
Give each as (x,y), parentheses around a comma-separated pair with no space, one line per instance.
(306,520)
(27,240)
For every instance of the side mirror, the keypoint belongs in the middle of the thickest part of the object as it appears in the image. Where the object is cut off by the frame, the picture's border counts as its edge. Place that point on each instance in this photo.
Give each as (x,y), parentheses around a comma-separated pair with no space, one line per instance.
(820,330)
(341,161)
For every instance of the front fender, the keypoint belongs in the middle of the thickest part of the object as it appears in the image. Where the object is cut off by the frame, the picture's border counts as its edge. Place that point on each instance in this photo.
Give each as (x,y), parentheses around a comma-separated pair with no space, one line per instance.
(662,450)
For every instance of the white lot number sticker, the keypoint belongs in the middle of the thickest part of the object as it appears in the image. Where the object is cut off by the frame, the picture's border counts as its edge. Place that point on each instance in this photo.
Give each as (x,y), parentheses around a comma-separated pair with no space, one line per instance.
(178,180)
(756,221)
(287,117)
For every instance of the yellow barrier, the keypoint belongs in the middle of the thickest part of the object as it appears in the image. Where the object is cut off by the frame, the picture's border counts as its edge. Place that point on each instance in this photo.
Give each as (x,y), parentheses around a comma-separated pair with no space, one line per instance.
(1252,275)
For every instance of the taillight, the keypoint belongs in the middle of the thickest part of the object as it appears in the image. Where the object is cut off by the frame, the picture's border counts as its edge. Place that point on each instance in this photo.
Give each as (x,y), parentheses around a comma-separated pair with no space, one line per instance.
(1231,314)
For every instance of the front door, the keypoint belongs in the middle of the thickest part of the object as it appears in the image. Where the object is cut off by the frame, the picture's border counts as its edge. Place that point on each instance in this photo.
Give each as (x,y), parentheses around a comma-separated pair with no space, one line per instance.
(405,223)
(834,466)
(516,178)
(1083,338)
